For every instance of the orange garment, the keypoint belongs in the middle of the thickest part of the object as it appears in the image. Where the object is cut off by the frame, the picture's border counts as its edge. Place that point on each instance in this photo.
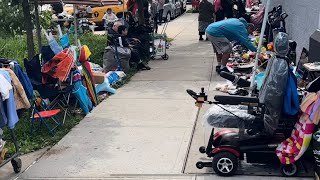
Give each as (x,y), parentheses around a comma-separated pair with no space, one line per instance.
(60,65)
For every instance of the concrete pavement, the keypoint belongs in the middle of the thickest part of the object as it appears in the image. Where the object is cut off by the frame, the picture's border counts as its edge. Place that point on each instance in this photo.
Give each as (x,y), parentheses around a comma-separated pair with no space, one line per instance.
(145,130)
(146,127)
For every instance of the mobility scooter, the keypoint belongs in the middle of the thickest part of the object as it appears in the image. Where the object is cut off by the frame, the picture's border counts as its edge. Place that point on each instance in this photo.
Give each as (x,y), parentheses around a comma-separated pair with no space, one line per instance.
(257,139)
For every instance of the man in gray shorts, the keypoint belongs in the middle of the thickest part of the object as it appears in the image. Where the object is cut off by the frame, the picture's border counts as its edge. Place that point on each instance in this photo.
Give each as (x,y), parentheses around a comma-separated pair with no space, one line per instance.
(222,33)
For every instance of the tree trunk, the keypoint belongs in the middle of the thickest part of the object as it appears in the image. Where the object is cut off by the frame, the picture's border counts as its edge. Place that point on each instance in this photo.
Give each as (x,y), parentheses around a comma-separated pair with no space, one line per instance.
(140,12)
(28,28)
(37,21)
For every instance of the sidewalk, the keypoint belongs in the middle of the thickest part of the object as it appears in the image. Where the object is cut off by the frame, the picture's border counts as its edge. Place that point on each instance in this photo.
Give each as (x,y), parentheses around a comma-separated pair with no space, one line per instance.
(146,127)
(144,131)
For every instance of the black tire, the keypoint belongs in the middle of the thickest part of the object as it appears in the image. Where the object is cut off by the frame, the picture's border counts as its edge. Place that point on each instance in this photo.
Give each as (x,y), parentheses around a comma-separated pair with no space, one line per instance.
(168,17)
(225,164)
(16,164)
(289,170)
(200,165)
(202,149)
(165,57)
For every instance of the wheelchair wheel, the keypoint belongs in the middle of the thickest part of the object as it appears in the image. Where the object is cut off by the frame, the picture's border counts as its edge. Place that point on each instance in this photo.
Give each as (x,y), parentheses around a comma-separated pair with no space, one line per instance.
(289,170)
(225,164)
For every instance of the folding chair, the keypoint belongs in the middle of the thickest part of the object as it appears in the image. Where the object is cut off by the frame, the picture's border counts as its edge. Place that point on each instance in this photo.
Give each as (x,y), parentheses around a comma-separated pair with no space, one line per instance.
(41,112)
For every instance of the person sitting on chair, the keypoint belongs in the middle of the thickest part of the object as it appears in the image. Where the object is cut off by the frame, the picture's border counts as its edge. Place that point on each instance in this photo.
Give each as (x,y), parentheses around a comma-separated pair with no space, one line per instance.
(130,43)
(109,18)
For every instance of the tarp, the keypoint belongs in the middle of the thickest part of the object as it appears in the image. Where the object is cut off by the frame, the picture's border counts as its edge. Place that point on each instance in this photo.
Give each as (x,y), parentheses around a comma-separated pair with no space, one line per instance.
(80,2)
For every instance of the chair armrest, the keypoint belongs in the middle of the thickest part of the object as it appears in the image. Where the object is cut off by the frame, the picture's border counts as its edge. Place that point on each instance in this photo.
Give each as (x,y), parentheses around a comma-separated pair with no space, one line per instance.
(236,100)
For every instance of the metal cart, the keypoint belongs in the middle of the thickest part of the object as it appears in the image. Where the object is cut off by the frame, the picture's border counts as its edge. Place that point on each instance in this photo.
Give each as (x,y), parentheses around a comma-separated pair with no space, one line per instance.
(160,44)
(14,159)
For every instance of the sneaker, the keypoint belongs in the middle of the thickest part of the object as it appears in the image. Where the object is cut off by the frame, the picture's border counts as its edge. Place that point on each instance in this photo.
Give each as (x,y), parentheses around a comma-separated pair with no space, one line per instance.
(225,69)
(143,66)
(218,68)
(200,39)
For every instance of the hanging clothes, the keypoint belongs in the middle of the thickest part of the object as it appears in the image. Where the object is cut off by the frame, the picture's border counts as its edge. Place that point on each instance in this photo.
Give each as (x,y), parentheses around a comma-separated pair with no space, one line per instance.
(11,109)
(20,97)
(290,150)
(311,106)
(4,88)
(3,116)
(291,104)
(24,80)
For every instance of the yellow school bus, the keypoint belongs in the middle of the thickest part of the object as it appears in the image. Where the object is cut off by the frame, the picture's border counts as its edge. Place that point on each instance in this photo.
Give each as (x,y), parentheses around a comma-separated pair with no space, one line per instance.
(99,11)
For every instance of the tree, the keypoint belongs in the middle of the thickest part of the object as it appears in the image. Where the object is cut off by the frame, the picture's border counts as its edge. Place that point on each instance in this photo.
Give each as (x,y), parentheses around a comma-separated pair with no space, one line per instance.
(29,27)
(10,19)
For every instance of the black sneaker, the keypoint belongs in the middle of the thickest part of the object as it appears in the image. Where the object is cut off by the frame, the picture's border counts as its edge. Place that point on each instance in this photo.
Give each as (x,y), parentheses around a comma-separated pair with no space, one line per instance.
(225,69)
(200,39)
(143,66)
(218,69)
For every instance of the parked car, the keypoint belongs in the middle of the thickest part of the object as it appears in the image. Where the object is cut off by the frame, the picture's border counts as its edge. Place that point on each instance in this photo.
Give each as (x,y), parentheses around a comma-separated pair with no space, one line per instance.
(178,7)
(183,6)
(169,10)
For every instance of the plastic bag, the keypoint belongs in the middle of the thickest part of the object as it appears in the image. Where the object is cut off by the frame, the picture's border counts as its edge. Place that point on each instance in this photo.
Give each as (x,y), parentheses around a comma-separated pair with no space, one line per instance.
(218,117)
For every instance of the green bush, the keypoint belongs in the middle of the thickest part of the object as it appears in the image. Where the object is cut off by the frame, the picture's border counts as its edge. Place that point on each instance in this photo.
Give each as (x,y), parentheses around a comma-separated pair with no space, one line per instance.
(16,47)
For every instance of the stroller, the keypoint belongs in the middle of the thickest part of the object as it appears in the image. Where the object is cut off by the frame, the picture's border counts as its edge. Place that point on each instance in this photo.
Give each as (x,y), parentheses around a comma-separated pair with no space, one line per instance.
(257,138)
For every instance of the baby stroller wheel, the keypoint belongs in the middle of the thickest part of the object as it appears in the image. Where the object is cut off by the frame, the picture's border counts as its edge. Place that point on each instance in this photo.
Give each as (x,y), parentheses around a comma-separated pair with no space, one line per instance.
(225,164)
(165,57)
(200,165)
(289,170)
(16,164)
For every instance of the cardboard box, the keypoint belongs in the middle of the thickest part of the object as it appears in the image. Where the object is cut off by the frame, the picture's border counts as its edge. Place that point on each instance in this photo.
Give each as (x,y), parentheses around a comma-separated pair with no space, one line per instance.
(98,77)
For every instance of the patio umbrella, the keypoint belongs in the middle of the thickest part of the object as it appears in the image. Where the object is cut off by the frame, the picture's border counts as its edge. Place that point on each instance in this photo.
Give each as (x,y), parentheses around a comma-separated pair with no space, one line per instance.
(79,2)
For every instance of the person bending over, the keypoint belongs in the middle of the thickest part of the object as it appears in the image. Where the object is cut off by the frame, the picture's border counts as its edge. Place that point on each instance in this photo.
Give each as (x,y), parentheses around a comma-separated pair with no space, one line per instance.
(129,42)
(222,33)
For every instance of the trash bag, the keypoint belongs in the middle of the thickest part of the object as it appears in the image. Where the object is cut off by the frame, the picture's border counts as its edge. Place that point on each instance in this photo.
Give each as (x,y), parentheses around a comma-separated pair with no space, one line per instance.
(110,63)
(220,118)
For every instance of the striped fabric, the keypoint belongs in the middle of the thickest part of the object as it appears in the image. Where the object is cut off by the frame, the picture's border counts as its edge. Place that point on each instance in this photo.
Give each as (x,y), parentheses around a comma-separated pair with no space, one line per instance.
(290,150)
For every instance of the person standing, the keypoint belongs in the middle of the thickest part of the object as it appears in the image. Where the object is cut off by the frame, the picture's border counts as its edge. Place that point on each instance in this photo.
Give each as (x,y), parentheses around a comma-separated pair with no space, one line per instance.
(161,7)
(155,14)
(218,10)
(222,33)
(205,17)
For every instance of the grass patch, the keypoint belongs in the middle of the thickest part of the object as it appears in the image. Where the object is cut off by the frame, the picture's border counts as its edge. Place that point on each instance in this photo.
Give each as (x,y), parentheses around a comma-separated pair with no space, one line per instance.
(40,138)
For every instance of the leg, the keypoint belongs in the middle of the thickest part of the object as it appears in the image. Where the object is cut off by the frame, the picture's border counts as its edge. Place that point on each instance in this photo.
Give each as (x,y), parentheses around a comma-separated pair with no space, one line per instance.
(160,15)
(224,59)
(155,23)
(200,36)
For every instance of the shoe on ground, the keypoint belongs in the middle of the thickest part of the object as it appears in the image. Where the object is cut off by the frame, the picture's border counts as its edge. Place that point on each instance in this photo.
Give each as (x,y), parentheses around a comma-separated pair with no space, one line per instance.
(218,69)
(143,66)
(201,39)
(207,39)
(224,69)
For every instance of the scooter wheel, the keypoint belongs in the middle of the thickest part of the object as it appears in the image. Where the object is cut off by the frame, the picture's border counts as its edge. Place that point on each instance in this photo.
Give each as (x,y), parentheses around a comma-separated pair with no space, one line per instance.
(289,170)
(165,57)
(225,164)
(200,165)
(202,149)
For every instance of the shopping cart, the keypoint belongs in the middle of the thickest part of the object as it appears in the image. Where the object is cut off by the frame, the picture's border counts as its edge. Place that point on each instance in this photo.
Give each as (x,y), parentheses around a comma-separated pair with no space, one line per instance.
(160,44)
(14,159)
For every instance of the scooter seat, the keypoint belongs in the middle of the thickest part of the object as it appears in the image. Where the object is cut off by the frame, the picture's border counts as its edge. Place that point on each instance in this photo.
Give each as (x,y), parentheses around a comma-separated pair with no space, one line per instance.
(236,100)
